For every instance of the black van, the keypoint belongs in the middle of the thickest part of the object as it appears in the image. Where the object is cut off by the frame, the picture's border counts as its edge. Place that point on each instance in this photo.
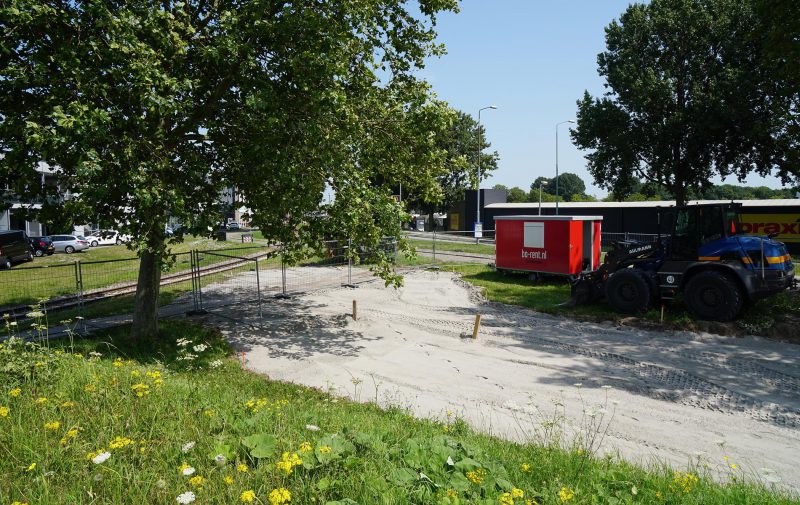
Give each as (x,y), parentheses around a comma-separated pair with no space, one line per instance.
(14,247)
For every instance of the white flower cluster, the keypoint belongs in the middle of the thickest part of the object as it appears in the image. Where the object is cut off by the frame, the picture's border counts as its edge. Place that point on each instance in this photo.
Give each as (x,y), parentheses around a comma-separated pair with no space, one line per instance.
(188,446)
(187,497)
(183,342)
(101,458)
(200,347)
(216,363)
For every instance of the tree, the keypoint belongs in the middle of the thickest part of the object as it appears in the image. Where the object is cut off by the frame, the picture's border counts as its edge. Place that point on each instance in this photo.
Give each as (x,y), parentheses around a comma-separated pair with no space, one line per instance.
(570,186)
(148,109)
(460,143)
(682,98)
(517,195)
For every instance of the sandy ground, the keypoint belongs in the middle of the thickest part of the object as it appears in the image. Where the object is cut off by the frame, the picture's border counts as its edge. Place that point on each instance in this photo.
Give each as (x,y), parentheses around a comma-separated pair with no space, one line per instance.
(674,397)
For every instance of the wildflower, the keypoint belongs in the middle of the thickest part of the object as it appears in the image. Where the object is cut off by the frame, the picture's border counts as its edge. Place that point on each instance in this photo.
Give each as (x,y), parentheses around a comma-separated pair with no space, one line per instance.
(305,447)
(188,446)
(158,382)
(242,468)
(185,469)
(506,499)
(95,354)
(101,458)
(118,362)
(216,363)
(90,388)
(135,373)
(198,481)
(155,374)
(288,462)
(228,480)
(685,481)
(659,495)
(209,413)
(52,426)
(325,449)
(140,389)
(734,466)
(199,347)
(525,467)
(119,443)
(19,503)
(578,385)
(476,476)
(35,314)
(279,496)
(68,405)
(41,400)
(247,496)
(220,459)
(15,392)
(517,493)
(182,342)
(566,494)
(451,493)
(69,436)
(187,497)
(4,411)
(31,467)
(726,458)
(312,427)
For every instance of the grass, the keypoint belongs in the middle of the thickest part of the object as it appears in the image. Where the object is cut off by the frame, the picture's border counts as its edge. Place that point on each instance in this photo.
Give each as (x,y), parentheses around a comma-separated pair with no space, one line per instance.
(453,246)
(154,414)
(549,295)
(100,267)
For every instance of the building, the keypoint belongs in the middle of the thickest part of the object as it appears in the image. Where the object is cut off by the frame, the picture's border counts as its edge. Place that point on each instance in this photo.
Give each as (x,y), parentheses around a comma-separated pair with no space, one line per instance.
(758,216)
(461,216)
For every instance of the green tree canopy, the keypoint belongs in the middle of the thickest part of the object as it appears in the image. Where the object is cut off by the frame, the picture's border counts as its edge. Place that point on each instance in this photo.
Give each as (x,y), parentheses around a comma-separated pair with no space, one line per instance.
(148,109)
(686,99)
(570,186)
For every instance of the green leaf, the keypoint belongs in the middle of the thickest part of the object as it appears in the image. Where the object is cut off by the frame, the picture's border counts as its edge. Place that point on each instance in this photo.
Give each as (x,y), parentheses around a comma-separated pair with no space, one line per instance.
(261,445)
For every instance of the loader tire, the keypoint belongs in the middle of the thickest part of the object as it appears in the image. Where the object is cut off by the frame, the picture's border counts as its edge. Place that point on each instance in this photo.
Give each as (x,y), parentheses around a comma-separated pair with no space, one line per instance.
(713,296)
(628,291)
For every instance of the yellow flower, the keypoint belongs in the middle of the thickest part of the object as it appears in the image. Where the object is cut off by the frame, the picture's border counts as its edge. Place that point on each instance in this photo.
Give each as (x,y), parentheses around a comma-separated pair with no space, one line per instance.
(40,400)
(517,493)
(659,495)
(120,443)
(279,496)
(91,455)
(525,467)
(197,481)
(247,496)
(4,411)
(90,388)
(734,466)
(241,467)
(451,493)
(506,499)
(566,494)
(15,392)
(19,503)
(52,426)
(476,476)
(325,449)
(31,467)
(685,481)
(155,374)
(118,362)
(135,373)
(140,389)
(288,462)
(158,382)
(69,436)
(305,447)
(209,413)
(725,458)
(228,480)
(68,405)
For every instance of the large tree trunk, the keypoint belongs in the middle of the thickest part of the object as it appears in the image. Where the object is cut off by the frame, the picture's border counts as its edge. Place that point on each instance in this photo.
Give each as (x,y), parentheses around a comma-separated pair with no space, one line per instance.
(145,312)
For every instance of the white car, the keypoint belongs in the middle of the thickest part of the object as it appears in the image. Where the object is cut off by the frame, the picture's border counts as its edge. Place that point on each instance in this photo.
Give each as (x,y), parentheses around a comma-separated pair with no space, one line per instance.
(106,237)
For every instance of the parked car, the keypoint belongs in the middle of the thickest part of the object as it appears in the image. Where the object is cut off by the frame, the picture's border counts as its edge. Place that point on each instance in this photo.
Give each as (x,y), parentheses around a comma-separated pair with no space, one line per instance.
(69,243)
(105,237)
(14,248)
(42,246)
(233,225)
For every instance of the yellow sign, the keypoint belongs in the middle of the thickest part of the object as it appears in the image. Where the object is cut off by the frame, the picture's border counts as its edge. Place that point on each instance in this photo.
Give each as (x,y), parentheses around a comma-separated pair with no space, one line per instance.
(787,226)
(454,221)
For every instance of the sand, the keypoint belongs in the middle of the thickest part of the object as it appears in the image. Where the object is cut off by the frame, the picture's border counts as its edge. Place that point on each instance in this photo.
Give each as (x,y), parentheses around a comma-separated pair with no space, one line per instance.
(659,397)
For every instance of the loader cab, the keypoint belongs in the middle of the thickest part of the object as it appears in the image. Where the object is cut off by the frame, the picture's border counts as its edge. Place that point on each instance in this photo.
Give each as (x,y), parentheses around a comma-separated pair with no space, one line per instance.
(693,226)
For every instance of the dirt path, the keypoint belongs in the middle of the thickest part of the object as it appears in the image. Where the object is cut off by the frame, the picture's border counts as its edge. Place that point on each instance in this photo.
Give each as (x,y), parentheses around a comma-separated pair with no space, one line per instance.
(675,397)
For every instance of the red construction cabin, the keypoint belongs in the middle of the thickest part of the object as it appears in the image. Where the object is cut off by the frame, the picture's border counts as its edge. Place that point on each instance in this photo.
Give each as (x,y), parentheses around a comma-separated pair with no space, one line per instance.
(566,245)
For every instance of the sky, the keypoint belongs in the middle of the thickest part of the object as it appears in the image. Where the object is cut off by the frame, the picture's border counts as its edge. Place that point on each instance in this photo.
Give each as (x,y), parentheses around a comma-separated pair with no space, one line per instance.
(533,59)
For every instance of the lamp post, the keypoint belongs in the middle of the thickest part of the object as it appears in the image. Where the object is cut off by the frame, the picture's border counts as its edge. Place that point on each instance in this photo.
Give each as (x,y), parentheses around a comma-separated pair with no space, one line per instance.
(557,125)
(478,183)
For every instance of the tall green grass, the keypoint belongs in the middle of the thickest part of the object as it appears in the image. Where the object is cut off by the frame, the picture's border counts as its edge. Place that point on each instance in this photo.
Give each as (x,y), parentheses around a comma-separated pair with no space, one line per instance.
(156,413)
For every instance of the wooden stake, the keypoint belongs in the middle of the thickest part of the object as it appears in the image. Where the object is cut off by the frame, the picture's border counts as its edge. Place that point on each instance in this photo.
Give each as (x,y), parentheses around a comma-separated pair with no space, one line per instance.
(241,357)
(355,311)
(477,326)
(662,312)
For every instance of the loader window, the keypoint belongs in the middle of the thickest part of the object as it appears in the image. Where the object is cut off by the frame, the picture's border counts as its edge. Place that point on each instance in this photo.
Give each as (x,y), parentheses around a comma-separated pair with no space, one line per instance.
(710,223)
(684,237)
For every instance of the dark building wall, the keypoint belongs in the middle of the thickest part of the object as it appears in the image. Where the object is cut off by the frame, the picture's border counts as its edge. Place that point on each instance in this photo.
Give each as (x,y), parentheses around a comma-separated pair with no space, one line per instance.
(466,209)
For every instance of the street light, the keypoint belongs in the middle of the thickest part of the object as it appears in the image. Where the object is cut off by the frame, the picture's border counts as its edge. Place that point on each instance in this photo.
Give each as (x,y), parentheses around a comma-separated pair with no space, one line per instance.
(478,184)
(557,125)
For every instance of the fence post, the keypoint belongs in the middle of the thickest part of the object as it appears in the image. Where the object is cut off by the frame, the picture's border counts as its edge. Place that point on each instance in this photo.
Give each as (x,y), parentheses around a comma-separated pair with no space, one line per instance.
(79,287)
(194,280)
(434,245)
(258,288)
(349,262)
(283,274)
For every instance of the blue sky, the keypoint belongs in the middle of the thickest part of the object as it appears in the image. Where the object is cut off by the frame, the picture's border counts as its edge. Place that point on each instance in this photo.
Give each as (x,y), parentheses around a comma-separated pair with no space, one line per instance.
(533,59)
